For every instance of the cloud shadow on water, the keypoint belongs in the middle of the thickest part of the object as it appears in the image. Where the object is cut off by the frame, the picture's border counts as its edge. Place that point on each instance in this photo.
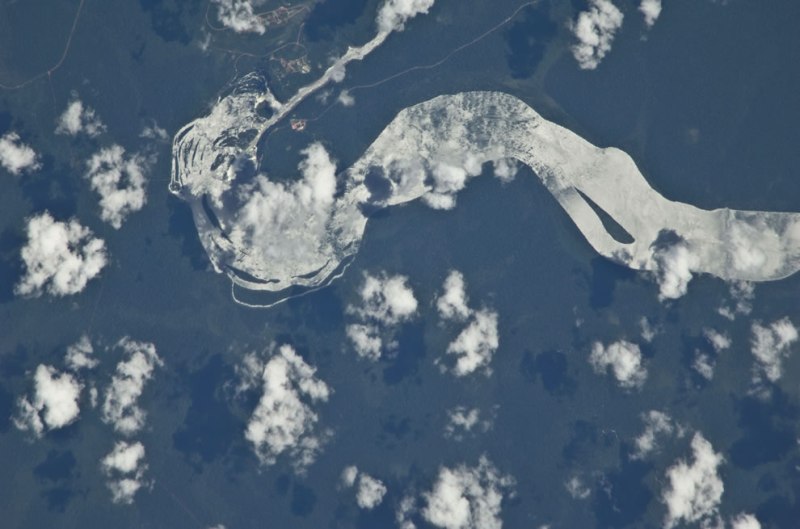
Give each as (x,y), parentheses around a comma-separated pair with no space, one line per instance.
(410,352)
(181,226)
(57,471)
(209,429)
(605,275)
(552,368)
(527,39)
(769,430)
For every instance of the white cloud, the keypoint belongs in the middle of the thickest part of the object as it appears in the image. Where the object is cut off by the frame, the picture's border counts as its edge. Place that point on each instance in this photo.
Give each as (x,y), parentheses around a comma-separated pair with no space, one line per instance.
(649,331)
(386,301)
(80,355)
(656,424)
(595,29)
(467,497)
(366,340)
(674,265)
(284,420)
(505,169)
(125,467)
(703,363)
(695,489)
(60,257)
(250,372)
(120,404)
(755,247)
(55,401)
(577,489)
(449,176)
(370,491)
(651,9)
(286,222)
(742,295)
(120,181)
(452,303)
(405,510)
(771,345)
(393,14)
(349,475)
(338,72)
(346,99)
(154,132)
(78,118)
(17,157)
(719,341)
(241,15)
(713,522)
(625,360)
(745,521)
(474,347)
(462,421)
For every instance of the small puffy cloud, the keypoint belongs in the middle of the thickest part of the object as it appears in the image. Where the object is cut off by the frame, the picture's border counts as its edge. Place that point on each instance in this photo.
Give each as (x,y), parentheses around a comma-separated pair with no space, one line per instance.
(505,169)
(649,331)
(120,181)
(704,362)
(452,302)
(15,156)
(770,345)
(474,347)
(742,294)
(405,510)
(80,355)
(154,132)
(674,264)
(79,118)
(54,404)
(366,340)
(594,30)
(704,365)
(284,420)
(448,177)
(467,497)
(346,99)
(338,72)
(656,424)
(393,14)
(755,247)
(576,488)
(623,358)
(349,475)
(386,301)
(695,489)
(718,340)
(59,257)
(120,404)
(125,467)
(241,16)
(745,521)
(369,492)
(651,9)
(462,421)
